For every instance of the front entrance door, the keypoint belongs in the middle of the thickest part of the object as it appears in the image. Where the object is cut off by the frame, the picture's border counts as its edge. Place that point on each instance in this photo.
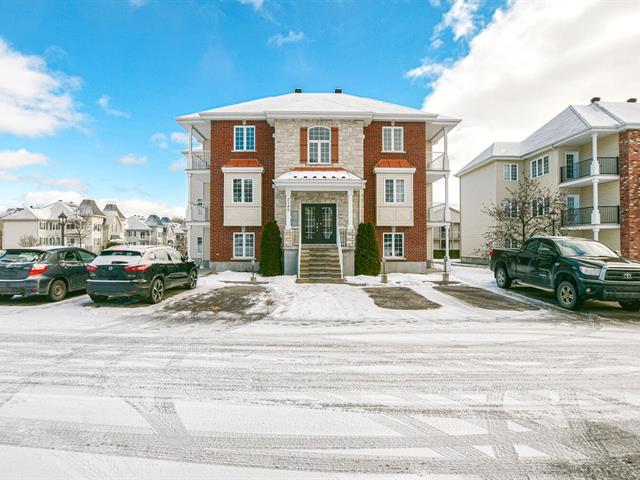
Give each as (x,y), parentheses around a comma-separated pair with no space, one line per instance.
(318,223)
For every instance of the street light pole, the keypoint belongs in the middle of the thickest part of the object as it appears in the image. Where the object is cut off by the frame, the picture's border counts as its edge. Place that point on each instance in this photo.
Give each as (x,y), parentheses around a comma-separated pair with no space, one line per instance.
(62,220)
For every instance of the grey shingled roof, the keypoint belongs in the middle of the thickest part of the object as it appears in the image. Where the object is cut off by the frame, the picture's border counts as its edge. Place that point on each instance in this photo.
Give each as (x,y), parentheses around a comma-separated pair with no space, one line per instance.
(88,206)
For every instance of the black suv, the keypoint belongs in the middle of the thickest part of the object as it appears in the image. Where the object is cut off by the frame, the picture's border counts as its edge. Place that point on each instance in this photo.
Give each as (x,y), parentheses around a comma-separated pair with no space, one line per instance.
(139,271)
(50,271)
(575,269)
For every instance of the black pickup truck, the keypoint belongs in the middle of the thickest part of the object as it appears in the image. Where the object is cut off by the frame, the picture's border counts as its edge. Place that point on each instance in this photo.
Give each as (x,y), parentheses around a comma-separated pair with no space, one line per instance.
(575,269)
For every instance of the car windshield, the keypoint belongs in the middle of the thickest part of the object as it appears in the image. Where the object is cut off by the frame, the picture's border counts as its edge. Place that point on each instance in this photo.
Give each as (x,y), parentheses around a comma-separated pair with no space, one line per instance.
(20,256)
(584,248)
(120,253)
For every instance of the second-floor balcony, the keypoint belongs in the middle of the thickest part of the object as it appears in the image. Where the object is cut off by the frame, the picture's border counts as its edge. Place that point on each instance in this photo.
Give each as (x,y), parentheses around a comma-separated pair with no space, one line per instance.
(197,212)
(198,159)
(437,166)
(577,218)
(578,174)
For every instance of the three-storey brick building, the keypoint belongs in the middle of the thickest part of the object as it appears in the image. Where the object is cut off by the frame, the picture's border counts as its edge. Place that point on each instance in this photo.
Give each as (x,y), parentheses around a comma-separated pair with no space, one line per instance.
(319,164)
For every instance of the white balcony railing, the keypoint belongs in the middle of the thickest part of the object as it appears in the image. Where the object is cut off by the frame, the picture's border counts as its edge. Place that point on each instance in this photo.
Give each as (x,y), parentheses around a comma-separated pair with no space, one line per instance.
(198,159)
(198,213)
(437,161)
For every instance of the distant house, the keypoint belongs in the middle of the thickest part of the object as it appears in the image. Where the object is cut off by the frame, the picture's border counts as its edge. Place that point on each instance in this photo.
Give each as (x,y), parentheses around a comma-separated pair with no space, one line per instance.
(94,218)
(437,221)
(136,231)
(114,224)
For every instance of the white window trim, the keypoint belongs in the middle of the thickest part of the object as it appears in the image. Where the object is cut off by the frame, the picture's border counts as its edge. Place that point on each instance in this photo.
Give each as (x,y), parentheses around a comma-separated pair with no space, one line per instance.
(244,137)
(508,166)
(393,256)
(395,190)
(319,162)
(393,136)
(244,246)
(540,166)
(242,202)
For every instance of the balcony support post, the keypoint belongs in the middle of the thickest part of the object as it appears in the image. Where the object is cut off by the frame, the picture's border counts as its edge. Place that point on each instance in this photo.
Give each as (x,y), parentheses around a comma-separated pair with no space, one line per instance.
(445,143)
(287,209)
(595,171)
(349,210)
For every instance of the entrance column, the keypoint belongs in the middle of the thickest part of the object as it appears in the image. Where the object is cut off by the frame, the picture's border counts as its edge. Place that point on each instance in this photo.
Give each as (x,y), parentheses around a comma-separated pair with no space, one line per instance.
(350,240)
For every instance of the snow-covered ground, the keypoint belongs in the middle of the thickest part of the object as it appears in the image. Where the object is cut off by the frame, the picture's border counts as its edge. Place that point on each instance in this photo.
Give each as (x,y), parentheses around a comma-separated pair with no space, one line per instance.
(317,382)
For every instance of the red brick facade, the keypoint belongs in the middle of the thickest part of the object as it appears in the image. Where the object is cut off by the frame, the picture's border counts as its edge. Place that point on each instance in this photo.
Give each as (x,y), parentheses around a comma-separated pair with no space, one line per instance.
(221,238)
(415,238)
(629,147)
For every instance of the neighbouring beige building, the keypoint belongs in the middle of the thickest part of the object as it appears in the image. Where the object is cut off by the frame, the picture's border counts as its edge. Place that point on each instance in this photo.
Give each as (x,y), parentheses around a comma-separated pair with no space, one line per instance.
(587,151)
(438,222)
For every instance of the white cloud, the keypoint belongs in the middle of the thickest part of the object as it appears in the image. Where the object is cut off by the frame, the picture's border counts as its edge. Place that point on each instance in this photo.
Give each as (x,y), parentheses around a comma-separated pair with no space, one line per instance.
(180,138)
(39,199)
(427,69)
(460,19)
(7,177)
(34,100)
(159,139)
(178,165)
(21,158)
(531,61)
(131,159)
(256,4)
(68,183)
(138,3)
(278,40)
(105,104)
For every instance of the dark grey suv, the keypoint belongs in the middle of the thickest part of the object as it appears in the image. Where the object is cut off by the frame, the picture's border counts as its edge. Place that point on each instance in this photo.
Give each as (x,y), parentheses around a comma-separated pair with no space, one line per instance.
(50,271)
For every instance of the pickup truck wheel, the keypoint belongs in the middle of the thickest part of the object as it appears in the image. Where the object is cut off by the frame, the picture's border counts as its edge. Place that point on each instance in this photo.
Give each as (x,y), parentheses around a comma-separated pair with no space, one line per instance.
(567,295)
(502,277)
(57,290)
(630,306)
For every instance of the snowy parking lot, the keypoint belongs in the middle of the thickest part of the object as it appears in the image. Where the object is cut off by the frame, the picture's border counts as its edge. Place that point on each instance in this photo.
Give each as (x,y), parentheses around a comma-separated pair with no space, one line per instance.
(283,380)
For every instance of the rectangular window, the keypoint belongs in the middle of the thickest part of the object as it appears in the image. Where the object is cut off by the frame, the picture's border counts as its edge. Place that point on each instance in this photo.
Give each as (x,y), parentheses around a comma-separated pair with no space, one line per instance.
(540,166)
(510,243)
(392,139)
(244,137)
(393,245)
(394,190)
(199,244)
(243,245)
(242,190)
(541,207)
(511,172)
(511,208)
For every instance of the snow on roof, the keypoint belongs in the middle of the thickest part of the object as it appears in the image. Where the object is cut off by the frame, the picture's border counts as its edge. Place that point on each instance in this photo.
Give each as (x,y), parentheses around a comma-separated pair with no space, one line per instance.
(90,207)
(315,104)
(112,207)
(135,223)
(572,121)
(154,221)
(50,212)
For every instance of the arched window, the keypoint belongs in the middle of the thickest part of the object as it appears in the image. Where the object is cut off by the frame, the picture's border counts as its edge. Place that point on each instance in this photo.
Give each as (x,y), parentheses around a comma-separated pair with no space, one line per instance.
(319,145)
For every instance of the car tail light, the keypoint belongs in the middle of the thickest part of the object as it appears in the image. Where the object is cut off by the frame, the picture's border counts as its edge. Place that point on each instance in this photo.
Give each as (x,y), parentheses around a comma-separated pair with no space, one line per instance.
(38,268)
(491,252)
(137,268)
(91,268)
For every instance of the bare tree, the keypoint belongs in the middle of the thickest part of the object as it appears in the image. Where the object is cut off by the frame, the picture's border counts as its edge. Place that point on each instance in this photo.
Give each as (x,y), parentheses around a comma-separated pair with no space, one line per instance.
(528,210)
(80,226)
(28,241)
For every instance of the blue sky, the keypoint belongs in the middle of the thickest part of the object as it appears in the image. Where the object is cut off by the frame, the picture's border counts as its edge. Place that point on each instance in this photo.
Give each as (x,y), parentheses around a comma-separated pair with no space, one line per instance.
(94,83)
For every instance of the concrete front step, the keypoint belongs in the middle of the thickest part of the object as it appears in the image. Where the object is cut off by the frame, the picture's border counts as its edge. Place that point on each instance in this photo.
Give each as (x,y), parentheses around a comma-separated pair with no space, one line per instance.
(320,264)
(320,280)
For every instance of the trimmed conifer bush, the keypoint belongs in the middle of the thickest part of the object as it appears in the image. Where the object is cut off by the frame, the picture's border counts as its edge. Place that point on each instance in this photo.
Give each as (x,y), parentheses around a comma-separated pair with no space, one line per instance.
(367,261)
(271,250)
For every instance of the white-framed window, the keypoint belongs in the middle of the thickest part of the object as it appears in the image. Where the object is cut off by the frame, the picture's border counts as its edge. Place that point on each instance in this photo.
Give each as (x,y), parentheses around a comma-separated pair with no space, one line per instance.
(319,145)
(393,245)
(243,245)
(199,244)
(244,137)
(511,172)
(242,190)
(394,190)
(540,207)
(540,166)
(510,243)
(392,139)
(511,208)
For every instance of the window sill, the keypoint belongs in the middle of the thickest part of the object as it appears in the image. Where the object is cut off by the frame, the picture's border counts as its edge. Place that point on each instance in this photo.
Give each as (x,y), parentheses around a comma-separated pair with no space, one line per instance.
(243,258)
(394,258)
(393,151)
(239,151)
